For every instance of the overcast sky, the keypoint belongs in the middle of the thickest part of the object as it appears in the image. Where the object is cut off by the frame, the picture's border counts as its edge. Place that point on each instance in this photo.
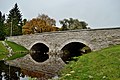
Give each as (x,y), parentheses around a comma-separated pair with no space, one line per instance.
(97,13)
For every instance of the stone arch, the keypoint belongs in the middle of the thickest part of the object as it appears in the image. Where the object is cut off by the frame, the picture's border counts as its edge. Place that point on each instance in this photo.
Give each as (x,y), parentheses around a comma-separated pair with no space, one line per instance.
(35,42)
(39,52)
(75,40)
(74,48)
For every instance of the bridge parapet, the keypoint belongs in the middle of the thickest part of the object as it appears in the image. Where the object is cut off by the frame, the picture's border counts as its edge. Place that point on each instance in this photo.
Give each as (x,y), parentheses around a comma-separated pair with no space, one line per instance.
(94,38)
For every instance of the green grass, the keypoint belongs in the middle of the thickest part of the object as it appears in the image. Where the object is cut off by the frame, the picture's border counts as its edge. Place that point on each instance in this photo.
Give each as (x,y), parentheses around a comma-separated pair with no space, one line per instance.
(99,65)
(17,55)
(2,47)
(19,51)
(16,47)
(3,51)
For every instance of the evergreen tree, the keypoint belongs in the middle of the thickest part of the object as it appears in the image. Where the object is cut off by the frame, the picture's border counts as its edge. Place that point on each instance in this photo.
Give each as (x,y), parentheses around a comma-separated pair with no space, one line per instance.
(2,33)
(14,21)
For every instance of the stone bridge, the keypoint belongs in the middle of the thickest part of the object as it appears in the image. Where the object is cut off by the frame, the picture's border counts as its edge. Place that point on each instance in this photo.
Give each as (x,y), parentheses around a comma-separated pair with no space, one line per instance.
(49,48)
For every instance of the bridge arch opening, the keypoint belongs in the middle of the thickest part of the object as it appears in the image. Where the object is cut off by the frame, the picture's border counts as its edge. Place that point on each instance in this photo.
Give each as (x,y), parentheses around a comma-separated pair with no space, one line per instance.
(39,52)
(74,49)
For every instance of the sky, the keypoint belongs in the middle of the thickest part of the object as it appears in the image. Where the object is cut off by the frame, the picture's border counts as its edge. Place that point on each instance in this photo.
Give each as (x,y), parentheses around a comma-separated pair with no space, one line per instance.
(97,13)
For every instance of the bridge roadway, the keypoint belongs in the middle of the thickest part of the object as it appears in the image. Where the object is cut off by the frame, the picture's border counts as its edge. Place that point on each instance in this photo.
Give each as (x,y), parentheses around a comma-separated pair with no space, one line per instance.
(48,46)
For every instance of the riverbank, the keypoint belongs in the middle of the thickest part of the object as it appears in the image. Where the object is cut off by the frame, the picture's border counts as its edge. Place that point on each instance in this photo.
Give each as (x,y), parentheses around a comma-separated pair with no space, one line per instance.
(10,50)
(100,65)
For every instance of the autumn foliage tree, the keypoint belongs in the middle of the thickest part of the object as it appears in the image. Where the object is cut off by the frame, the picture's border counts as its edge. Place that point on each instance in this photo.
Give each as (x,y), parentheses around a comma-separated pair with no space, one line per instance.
(42,23)
(47,19)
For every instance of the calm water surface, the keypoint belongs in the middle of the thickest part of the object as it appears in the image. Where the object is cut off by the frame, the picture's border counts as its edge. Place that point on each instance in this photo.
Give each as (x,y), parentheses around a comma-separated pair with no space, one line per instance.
(13,73)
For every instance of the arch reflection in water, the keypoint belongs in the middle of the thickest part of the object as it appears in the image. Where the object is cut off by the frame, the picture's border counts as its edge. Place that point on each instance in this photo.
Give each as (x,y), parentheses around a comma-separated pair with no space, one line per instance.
(39,52)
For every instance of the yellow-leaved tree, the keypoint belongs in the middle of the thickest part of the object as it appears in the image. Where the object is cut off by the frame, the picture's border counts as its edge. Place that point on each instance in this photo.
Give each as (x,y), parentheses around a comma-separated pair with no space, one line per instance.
(42,23)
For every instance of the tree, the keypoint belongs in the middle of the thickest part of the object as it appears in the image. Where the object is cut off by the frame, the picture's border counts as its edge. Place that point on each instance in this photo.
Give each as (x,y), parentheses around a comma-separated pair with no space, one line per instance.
(24,21)
(71,24)
(42,23)
(14,21)
(47,19)
(2,33)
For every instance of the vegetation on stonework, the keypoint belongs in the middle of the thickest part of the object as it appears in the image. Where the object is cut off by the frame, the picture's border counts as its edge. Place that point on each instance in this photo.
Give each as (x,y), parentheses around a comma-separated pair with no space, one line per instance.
(18,51)
(99,65)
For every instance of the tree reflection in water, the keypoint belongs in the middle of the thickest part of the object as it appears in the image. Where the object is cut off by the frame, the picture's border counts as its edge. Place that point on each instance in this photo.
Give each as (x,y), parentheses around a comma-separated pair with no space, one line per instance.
(13,73)
(9,72)
(38,75)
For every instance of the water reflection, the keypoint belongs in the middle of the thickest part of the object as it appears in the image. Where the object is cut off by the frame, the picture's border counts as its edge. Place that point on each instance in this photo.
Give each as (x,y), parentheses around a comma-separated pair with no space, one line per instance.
(13,73)
(9,72)
(38,75)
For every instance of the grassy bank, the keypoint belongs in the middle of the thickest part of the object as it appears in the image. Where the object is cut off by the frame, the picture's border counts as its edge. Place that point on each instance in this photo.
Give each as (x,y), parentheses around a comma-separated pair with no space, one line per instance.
(18,51)
(16,47)
(3,51)
(99,65)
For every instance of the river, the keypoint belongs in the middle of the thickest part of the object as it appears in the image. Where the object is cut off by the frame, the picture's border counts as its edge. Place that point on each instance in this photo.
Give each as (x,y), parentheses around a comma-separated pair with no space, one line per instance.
(14,73)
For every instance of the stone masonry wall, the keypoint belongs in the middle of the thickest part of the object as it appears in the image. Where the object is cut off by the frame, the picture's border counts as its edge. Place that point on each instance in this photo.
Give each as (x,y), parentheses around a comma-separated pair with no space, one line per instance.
(94,38)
